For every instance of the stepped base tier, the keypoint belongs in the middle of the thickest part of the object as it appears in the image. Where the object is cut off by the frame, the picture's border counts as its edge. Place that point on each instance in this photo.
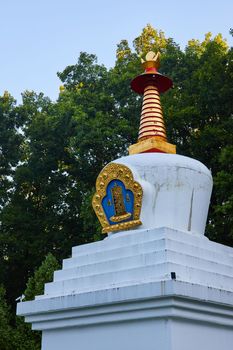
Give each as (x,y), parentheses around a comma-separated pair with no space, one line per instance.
(118,294)
(161,286)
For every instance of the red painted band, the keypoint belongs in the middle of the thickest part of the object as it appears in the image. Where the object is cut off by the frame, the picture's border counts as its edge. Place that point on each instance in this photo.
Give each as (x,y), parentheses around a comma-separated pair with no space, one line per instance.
(151,70)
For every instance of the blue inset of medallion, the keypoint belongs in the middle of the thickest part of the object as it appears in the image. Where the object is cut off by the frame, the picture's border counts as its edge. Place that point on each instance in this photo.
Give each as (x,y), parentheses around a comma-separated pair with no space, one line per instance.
(118,204)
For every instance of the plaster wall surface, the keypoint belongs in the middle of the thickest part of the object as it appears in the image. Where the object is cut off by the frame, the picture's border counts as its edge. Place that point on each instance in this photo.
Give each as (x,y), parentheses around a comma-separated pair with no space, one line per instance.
(150,335)
(176,190)
(162,334)
(200,336)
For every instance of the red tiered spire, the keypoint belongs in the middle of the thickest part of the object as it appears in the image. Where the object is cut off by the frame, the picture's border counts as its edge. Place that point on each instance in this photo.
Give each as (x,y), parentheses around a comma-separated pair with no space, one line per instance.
(152,132)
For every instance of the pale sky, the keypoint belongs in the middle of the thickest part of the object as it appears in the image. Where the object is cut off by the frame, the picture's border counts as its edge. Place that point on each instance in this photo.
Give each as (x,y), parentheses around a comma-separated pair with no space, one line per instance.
(40,38)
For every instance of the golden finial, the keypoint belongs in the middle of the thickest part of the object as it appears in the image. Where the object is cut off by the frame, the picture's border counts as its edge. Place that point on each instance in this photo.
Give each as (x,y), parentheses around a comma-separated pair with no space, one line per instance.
(61,88)
(152,60)
(152,131)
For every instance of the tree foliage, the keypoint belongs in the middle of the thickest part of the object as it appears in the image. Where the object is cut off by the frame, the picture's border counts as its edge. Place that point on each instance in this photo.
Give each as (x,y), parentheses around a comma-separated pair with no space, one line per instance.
(44,274)
(19,336)
(6,332)
(25,338)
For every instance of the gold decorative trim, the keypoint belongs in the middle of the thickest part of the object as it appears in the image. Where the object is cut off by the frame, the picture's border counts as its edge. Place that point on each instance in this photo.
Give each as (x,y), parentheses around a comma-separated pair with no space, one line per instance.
(120,218)
(122,226)
(115,171)
(152,143)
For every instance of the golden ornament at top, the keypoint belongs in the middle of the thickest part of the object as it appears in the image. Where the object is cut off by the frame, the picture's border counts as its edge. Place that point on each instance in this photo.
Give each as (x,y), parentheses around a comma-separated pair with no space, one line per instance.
(152,60)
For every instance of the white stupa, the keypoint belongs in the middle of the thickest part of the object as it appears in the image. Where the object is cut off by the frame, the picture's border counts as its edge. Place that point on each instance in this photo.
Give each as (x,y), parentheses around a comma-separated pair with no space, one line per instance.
(155,282)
